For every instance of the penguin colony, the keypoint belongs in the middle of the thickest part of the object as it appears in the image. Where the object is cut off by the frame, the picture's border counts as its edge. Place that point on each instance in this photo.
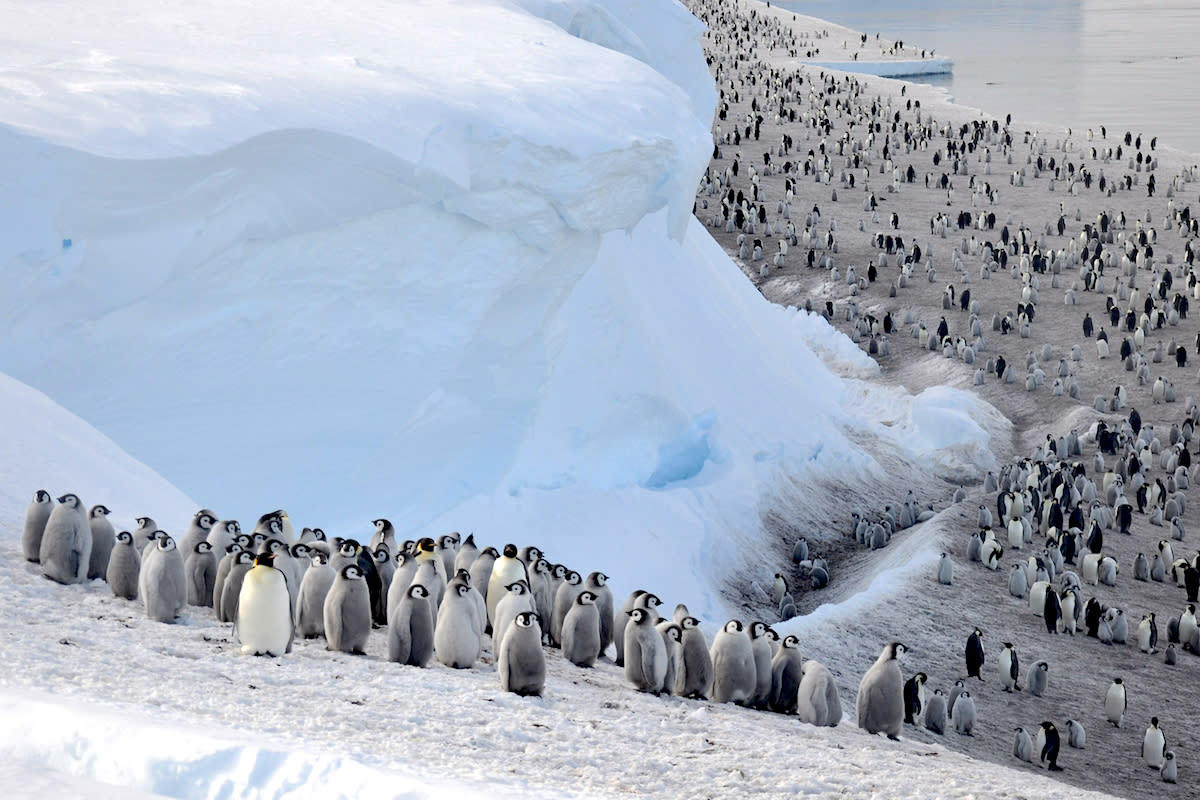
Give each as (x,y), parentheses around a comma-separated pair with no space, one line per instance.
(434,600)
(836,194)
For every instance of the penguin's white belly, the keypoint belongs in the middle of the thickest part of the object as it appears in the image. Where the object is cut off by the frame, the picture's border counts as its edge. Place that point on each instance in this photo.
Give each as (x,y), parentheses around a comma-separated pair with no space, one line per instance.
(264,614)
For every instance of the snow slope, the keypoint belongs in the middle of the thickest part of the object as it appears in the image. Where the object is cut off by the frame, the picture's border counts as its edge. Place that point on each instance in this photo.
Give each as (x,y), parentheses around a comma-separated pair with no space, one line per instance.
(363,267)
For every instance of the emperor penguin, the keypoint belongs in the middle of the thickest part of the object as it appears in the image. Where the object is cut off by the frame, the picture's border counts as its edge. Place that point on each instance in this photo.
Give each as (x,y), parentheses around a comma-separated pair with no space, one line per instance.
(817,699)
(760,645)
(264,624)
(144,533)
(1023,745)
(914,697)
(347,612)
(384,534)
(403,575)
(1047,746)
(564,599)
(310,604)
(231,589)
(597,584)
(580,631)
(467,552)
(201,569)
(507,570)
(672,636)
(1154,745)
(1009,668)
(481,570)
(1168,772)
(645,652)
(945,570)
(974,655)
(198,530)
(410,629)
(427,553)
(787,670)
(1076,735)
(36,516)
(385,565)
(958,688)
(124,564)
(458,632)
(1188,624)
(881,694)
(935,712)
(1115,702)
(518,598)
(1037,678)
(696,667)
(521,661)
(734,674)
(224,567)
(1018,585)
(66,547)
(541,586)
(103,539)
(162,582)
(222,534)
(963,715)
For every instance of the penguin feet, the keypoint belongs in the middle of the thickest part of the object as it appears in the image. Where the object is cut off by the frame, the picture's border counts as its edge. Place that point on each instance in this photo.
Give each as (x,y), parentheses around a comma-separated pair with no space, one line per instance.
(893,737)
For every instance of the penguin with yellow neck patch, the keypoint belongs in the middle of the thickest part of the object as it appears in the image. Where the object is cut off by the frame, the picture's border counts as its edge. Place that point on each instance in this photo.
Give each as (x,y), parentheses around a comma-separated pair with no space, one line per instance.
(264,623)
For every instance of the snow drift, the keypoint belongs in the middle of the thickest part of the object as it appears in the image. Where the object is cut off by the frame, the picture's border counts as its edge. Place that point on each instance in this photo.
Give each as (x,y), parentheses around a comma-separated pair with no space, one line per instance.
(367,267)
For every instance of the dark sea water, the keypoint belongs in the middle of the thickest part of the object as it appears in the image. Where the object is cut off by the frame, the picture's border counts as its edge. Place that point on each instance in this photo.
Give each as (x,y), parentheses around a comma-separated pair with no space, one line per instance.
(1124,64)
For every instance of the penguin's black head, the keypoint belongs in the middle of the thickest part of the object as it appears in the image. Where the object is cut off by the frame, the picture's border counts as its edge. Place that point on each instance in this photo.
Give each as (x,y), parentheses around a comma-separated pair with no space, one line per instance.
(318,534)
(243,540)
(319,559)
(299,550)
(585,599)
(463,575)
(382,554)
(542,566)
(757,629)
(637,615)
(791,642)
(673,632)
(519,587)
(275,545)
(42,496)
(574,578)
(351,572)
(69,499)
(203,547)
(559,571)
(690,622)
(100,511)
(734,626)
(165,542)
(349,547)
(264,560)
(448,541)
(1154,722)
(490,551)
(125,537)
(651,600)
(245,557)
(510,550)
(526,619)
(426,545)
(418,592)
(599,578)
(205,518)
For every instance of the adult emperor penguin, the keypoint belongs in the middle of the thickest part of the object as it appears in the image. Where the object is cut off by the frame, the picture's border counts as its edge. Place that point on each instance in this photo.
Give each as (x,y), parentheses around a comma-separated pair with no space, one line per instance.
(36,515)
(458,633)
(66,547)
(162,583)
(597,584)
(1076,735)
(580,631)
(201,568)
(264,623)
(348,612)
(124,565)
(1037,678)
(310,605)
(734,673)
(521,661)
(507,570)
(881,694)
(646,652)
(564,599)
(1147,634)
(935,712)
(760,645)
(410,628)
(1009,668)
(974,655)
(787,670)
(817,699)
(1047,744)
(1115,702)
(198,530)
(696,668)
(103,539)
(1154,745)
(963,715)
(914,696)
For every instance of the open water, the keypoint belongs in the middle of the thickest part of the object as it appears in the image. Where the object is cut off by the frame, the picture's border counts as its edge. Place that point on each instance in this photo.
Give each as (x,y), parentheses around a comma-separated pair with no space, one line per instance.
(1127,64)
